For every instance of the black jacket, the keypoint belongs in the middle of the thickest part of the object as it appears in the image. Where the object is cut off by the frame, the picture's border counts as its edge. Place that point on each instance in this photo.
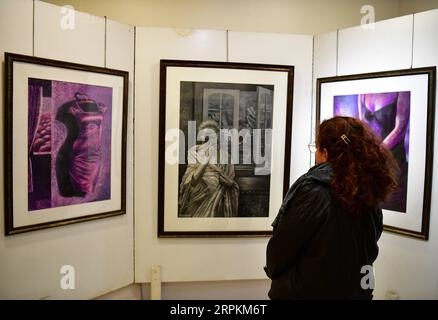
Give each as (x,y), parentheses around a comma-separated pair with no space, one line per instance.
(317,250)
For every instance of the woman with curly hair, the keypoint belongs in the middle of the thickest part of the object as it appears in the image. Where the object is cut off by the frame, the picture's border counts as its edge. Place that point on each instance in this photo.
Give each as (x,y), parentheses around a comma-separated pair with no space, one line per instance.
(325,236)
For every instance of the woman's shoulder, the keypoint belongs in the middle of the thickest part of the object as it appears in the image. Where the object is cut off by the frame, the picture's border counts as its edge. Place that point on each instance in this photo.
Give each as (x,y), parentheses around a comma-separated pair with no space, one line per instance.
(320,174)
(312,189)
(313,183)
(316,180)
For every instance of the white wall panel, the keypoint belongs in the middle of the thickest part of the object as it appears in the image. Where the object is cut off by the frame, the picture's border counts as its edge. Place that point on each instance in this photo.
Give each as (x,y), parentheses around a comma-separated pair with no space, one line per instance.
(405,265)
(16,26)
(217,290)
(54,38)
(15,36)
(325,51)
(100,250)
(324,65)
(425,38)
(385,47)
(193,259)
(181,259)
(284,49)
(120,55)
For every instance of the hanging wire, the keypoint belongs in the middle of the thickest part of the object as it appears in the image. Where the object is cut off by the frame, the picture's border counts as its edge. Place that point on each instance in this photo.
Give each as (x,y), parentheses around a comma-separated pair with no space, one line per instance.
(412,41)
(104,42)
(228,46)
(337,51)
(313,123)
(33,28)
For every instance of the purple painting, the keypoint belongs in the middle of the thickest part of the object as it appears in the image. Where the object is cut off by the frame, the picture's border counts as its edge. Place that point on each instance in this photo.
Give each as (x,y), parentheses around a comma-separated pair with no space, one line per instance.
(387,114)
(69,143)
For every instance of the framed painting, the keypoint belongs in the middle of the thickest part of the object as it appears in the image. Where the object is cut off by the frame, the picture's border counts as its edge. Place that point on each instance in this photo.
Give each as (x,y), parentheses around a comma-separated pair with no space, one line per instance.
(65,143)
(399,106)
(225,141)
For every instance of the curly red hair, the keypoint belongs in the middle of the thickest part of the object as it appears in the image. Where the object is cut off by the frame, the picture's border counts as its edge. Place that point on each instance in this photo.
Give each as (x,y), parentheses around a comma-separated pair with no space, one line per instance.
(364,171)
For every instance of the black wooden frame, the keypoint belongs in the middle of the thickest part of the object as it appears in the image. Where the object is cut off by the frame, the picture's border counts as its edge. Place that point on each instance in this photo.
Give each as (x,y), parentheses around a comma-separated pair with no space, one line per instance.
(10,59)
(164,64)
(431,72)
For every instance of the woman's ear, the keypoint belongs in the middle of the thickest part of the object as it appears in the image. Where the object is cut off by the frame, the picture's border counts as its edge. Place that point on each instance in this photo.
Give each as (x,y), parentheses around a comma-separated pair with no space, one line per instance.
(321,155)
(325,154)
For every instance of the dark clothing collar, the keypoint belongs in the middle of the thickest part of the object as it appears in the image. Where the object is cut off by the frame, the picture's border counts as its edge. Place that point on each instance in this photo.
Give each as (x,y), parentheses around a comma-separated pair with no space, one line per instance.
(321,173)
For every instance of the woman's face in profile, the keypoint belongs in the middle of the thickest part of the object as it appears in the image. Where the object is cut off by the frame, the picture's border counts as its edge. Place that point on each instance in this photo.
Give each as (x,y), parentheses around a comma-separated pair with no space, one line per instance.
(321,155)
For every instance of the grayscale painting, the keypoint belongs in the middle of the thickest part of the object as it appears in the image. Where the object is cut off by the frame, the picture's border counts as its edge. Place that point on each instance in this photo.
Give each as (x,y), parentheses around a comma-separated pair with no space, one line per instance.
(233,180)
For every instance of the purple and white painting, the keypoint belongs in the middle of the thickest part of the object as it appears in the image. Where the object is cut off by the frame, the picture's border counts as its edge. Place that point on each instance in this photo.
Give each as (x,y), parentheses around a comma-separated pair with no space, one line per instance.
(69,143)
(387,114)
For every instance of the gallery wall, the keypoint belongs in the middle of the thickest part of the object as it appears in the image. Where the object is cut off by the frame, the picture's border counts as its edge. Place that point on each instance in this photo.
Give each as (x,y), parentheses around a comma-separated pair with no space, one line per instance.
(100,251)
(406,266)
(405,7)
(286,16)
(206,259)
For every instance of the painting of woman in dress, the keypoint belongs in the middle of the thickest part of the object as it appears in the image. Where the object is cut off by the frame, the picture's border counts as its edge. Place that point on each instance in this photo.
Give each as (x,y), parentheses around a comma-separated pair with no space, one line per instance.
(208,188)
(387,114)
